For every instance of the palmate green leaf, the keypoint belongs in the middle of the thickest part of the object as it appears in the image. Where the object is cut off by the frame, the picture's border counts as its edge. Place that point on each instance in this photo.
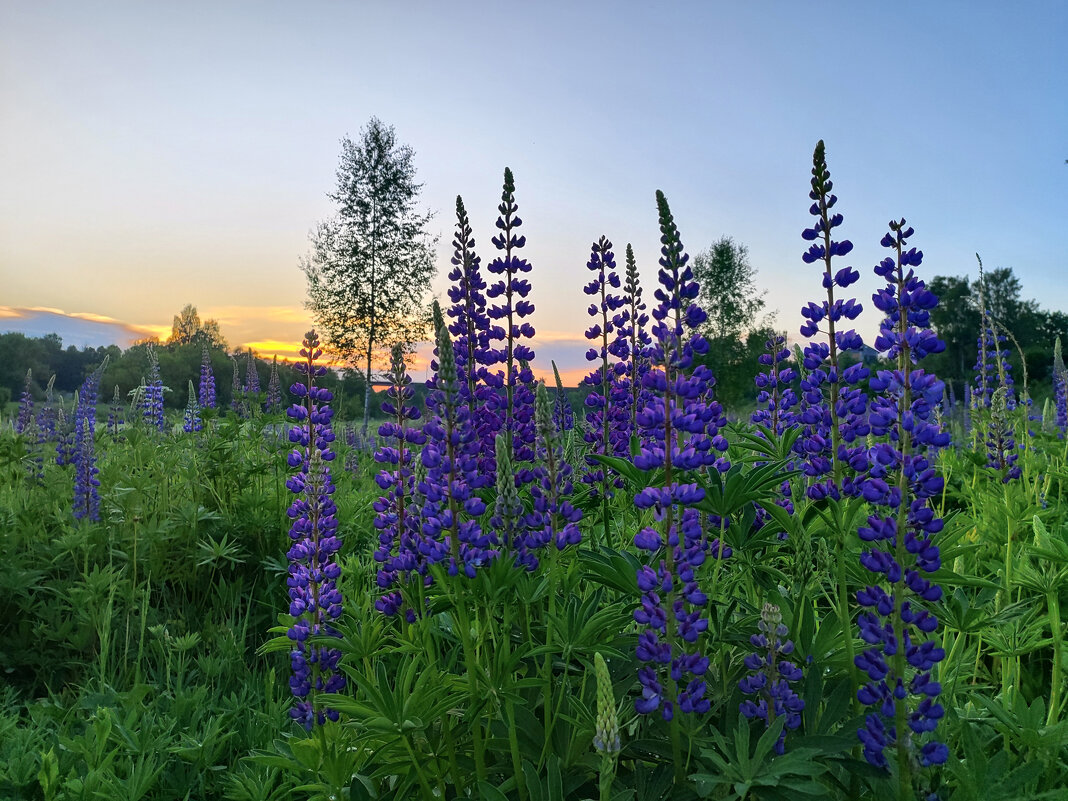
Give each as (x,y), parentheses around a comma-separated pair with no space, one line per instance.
(617,570)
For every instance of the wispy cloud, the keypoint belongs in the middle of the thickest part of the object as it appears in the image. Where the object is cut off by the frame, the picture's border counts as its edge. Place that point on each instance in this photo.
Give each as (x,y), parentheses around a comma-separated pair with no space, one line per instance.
(77,328)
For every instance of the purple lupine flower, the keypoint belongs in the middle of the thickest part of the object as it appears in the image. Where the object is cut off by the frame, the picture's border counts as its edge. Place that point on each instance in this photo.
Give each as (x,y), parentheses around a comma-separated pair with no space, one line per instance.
(86,484)
(553,514)
(236,403)
(511,310)
(680,428)
(1060,387)
(563,414)
(314,599)
(273,404)
(252,378)
(470,329)
(631,323)
(116,416)
(451,530)
(1001,454)
(896,622)
(64,433)
(152,400)
(776,398)
(192,422)
(395,512)
(607,430)
(770,676)
(25,415)
(833,408)
(992,367)
(207,379)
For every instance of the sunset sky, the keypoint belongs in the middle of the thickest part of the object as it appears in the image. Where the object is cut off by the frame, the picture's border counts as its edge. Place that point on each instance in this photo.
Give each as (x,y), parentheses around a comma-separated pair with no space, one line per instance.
(158,154)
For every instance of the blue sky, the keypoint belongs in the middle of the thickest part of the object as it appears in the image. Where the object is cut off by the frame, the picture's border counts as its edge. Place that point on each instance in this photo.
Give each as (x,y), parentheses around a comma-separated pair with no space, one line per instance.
(160,154)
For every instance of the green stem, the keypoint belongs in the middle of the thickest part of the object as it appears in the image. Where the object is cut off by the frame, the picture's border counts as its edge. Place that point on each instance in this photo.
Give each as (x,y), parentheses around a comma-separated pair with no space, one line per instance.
(1054,602)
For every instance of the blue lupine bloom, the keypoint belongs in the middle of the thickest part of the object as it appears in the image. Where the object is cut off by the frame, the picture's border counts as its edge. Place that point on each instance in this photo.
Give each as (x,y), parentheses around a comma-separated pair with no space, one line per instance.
(1060,387)
(992,368)
(152,398)
(252,377)
(901,483)
(86,483)
(236,404)
(554,518)
(64,433)
(396,517)
(833,408)
(191,420)
(469,326)
(450,527)
(607,419)
(770,676)
(25,415)
(511,310)
(206,398)
(680,428)
(116,414)
(776,398)
(314,599)
(273,403)
(1001,453)
(633,341)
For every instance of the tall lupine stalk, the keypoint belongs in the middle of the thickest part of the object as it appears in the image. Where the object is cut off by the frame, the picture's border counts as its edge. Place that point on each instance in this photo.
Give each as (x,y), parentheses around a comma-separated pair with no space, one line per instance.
(152,402)
(470,329)
(833,406)
(511,310)
(47,415)
(64,432)
(992,367)
(314,599)
(563,414)
(1060,387)
(86,484)
(451,530)
(191,420)
(252,380)
(681,434)
(206,396)
(25,415)
(273,403)
(901,554)
(1001,454)
(603,430)
(776,397)
(447,490)
(770,677)
(395,518)
(236,404)
(631,325)
(775,403)
(115,414)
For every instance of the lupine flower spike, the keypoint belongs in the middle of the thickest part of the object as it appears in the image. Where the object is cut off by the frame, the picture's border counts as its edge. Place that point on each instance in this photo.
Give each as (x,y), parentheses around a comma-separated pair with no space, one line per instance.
(152,408)
(86,483)
(606,741)
(191,421)
(314,599)
(25,414)
(511,309)
(833,405)
(770,676)
(1060,387)
(896,622)
(273,404)
(395,518)
(207,379)
(681,433)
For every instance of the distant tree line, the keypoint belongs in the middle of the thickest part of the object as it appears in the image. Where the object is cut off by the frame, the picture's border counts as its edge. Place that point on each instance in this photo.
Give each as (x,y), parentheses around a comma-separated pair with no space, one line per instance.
(179,359)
